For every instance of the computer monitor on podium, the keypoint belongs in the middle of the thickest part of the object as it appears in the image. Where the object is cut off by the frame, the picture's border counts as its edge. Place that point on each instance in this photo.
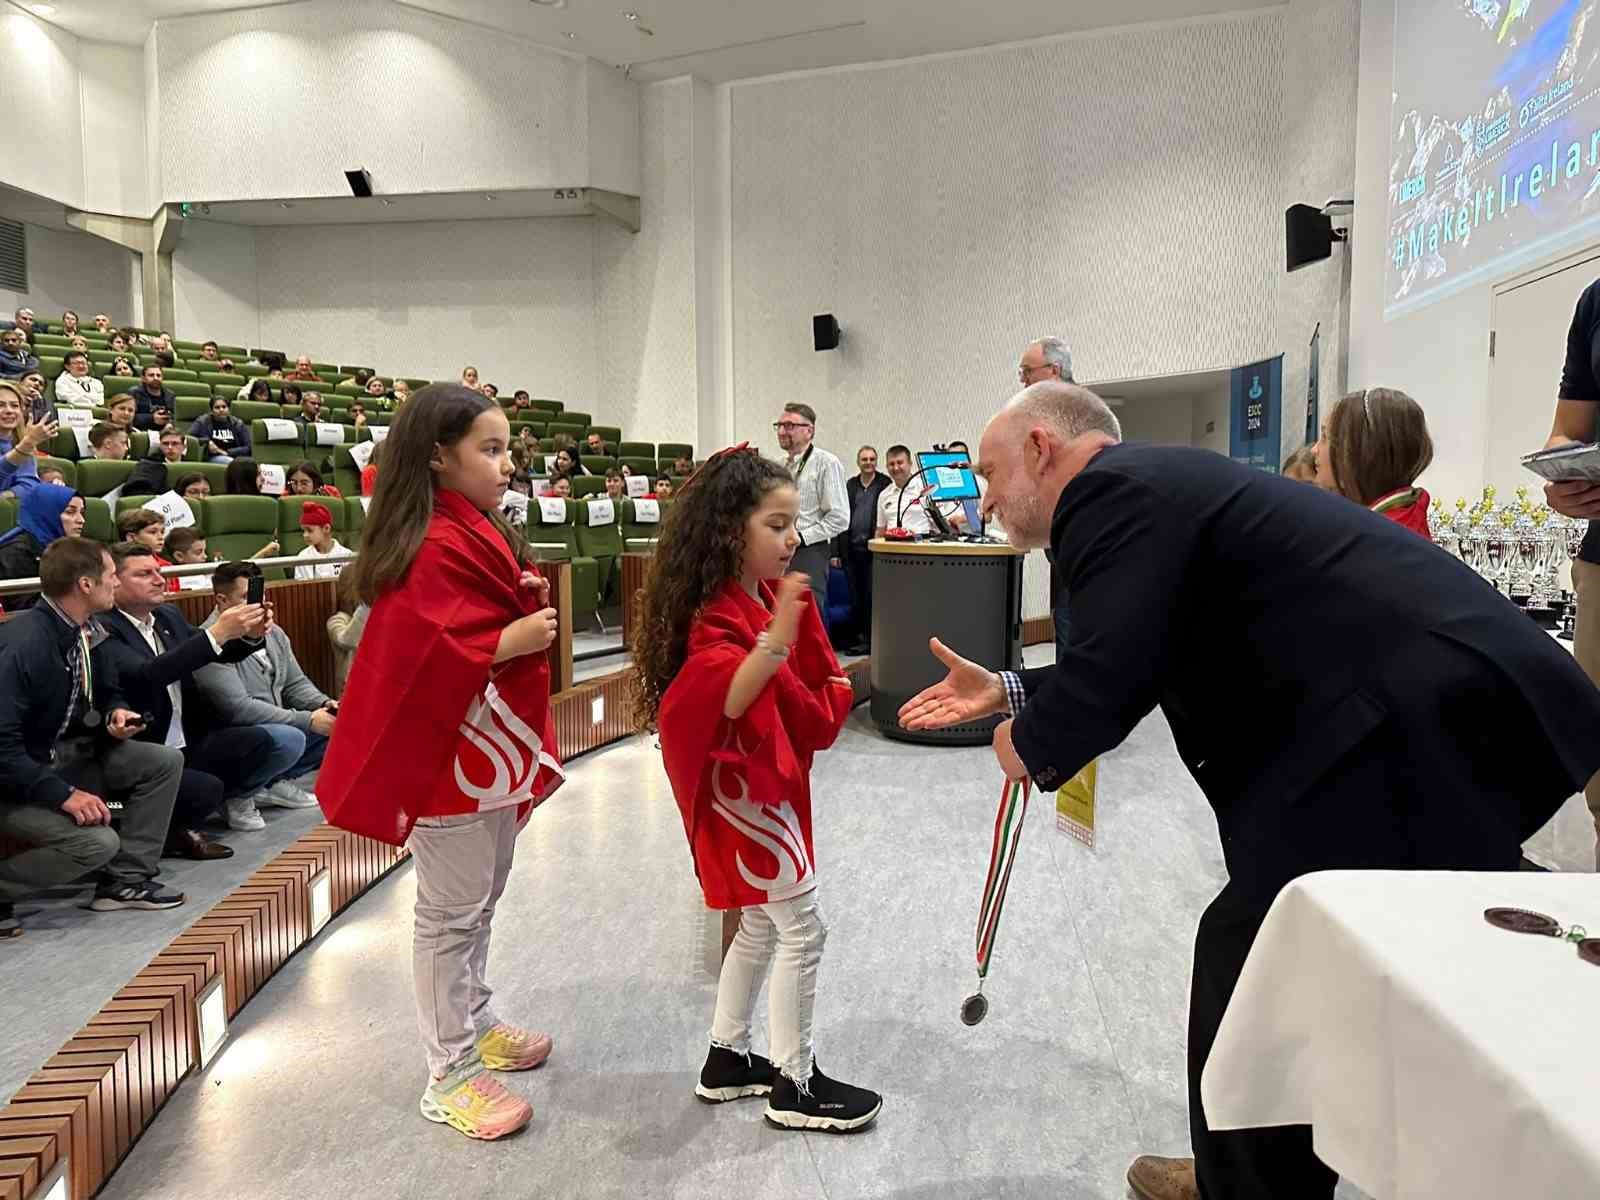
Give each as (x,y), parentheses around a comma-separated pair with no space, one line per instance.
(950,474)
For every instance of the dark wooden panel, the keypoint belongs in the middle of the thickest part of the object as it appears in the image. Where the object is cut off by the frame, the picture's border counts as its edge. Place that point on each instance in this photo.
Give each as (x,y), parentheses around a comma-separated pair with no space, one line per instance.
(1038,631)
(560,576)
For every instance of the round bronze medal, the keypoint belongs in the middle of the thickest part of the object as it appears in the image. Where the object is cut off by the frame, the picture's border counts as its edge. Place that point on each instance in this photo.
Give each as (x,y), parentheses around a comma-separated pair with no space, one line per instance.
(974,1009)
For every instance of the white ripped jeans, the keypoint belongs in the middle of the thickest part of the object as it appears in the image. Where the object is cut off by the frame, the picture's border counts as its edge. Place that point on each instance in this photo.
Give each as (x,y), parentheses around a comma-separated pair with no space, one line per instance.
(788,936)
(462,863)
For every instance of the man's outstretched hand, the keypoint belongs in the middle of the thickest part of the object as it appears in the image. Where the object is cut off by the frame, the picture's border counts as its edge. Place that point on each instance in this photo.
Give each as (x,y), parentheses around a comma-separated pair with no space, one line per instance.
(965,694)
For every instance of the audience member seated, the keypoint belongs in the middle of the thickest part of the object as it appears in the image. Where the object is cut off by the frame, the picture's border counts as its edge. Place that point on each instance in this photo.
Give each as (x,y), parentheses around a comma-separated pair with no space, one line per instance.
(193,486)
(155,401)
(594,444)
(1302,465)
(290,396)
(109,442)
(305,480)
(310,409)
(344,633)
(402,392)
(520,402)
(52,475)
(302,371)
(185,546)
(117,343)
(144,527)
(469,377)
(69,323)
(369,473)
(560,485)
(615,488)
(123,366)
(121,411)
(316,526)
(358,414)
(22,321)
(568,463)
(79,343)
(102,323)
(45,514)
(75,386)
(156,652)
(362,377)
(682,467)
(20,441)
(376,388)
(900,505)
(67,748)
(15,357)
(491,391)
(209,352)
(257,390)
(222,436)
(33,398)
(663,489)
(243,478)
(149,477)
(1374,445)
(268,689)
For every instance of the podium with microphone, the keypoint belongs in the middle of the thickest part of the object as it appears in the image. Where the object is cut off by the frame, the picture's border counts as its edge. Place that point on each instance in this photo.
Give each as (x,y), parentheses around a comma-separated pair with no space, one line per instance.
(963,587)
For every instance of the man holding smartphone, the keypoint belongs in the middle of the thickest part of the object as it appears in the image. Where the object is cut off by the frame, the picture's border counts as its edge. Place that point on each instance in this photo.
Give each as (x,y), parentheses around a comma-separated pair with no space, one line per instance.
(1575,422)
(69,761)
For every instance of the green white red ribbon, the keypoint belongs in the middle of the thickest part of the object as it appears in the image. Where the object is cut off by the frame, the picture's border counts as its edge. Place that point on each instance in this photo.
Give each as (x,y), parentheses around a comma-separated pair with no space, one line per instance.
(1002,854)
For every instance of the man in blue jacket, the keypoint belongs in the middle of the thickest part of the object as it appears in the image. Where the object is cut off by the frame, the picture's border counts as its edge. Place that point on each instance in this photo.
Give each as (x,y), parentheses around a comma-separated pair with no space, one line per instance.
(69,764)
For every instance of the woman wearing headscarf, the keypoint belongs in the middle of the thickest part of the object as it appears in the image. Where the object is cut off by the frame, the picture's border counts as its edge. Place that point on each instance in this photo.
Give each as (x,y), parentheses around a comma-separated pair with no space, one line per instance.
(47,512)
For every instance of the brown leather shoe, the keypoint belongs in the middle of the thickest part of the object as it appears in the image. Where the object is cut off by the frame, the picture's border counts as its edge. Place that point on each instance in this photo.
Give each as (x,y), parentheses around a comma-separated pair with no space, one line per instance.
(1154,1178)
(191,843)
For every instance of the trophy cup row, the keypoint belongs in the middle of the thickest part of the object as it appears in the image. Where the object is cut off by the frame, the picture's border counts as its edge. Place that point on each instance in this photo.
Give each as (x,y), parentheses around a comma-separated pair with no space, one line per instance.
(1520,548)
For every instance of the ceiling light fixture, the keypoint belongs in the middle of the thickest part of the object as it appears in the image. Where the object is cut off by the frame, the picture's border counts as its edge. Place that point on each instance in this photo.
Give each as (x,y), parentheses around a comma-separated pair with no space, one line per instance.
(630,16)
(42,10)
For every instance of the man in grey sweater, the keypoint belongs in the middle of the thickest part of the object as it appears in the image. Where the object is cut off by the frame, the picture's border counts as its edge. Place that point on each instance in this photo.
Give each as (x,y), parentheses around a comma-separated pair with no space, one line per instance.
(267,689)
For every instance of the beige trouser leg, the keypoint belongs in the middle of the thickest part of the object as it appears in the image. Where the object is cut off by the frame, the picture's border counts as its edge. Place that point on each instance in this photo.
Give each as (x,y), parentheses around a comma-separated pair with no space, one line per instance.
(1586,645)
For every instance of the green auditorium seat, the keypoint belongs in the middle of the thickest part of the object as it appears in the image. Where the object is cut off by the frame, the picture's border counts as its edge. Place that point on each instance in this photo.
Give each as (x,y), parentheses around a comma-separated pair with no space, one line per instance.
(180,346)
(50,367)
(346,475)
(67,466)
(547,445)
(217,379)
(355,518)
(256,352)
(599,464)
(234,352)
(667,451)
(349,389)
(185,387)
(216,474)
(191,408)
(536,427)
(557,540)
(250,369)
(128,503)
(328,371)
(601,542)
(569,417)
(344,370)
(638,535)
(117,384)
(549,406)
(96,477)
(183,374)
(575,432)
(640,466)
(238,526)
(50,339)
(255,410)
(138,444)
(637,450)
(416,383)
(589,485)
(289,535)
(97,522)
(8,513)
(284,448)
(611,435)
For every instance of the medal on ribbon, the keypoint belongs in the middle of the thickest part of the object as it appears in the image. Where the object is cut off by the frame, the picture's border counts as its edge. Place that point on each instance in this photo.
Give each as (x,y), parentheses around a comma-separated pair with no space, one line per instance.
(1002,854)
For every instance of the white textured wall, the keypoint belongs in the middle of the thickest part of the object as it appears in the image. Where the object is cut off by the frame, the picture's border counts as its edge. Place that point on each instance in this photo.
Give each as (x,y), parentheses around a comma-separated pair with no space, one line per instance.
(647,320)
(514,298)
(76,271)
(114,146)
(308,90)
(39,95)
(1164,420)
(214,290)
(1118,189)
(613,132)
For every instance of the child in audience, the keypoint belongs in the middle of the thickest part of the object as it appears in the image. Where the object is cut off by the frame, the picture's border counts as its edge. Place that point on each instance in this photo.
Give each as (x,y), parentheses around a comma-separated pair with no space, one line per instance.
(109,441)
(123,365)
(1374,445)
(614,485)
(369,473)
(560,485)
(148,529)
(663,489)
(52,475)
(243,478)
(316,526)
(452,659)
(305,480)
(724,629)
(185,546)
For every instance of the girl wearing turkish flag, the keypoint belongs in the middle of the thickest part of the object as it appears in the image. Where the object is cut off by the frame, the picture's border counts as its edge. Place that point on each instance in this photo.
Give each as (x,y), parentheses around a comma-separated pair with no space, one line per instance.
(444,739)
(735,672)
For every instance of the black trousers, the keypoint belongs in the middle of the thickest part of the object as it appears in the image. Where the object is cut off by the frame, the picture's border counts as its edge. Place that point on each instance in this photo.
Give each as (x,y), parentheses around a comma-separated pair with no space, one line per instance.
(858,569)
(199,799)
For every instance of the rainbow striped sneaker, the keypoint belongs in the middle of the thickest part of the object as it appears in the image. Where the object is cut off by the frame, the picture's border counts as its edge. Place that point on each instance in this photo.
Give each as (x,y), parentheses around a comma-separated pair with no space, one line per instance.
(508,1048)
(474,1102)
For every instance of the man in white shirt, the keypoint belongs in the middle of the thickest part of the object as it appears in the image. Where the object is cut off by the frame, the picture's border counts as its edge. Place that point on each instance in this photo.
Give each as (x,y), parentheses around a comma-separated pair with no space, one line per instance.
(76,387)
(824,504)
(316,523)
(900,505)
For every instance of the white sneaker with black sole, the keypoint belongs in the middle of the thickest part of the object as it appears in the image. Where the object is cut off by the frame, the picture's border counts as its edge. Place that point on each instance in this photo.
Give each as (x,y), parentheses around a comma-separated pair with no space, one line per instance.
(145,894)
(821,1103)
(243,814)
(729,1075)
(284,794)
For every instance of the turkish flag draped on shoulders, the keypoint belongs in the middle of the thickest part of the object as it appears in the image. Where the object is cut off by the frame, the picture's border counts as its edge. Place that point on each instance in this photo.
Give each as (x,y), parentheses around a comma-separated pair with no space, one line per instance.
(429,725)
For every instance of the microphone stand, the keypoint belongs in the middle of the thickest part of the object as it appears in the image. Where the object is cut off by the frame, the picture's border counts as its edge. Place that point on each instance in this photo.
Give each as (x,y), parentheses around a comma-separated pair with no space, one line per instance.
(934,515)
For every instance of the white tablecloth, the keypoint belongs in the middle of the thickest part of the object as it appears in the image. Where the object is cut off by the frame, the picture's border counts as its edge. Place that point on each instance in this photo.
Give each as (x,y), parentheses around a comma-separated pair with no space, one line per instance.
(1433,1054)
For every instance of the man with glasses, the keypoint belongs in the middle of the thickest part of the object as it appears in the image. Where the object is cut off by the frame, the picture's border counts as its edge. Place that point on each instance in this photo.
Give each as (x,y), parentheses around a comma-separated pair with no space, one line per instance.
(824,506)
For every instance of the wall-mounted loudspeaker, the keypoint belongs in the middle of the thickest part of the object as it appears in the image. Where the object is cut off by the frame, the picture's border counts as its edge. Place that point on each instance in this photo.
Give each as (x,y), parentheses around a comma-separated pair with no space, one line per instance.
(825,331)
(360,182)
(1309,235)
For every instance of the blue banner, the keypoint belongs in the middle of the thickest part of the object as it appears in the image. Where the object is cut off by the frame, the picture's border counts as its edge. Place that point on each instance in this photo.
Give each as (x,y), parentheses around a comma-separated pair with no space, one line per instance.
(1255,414)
